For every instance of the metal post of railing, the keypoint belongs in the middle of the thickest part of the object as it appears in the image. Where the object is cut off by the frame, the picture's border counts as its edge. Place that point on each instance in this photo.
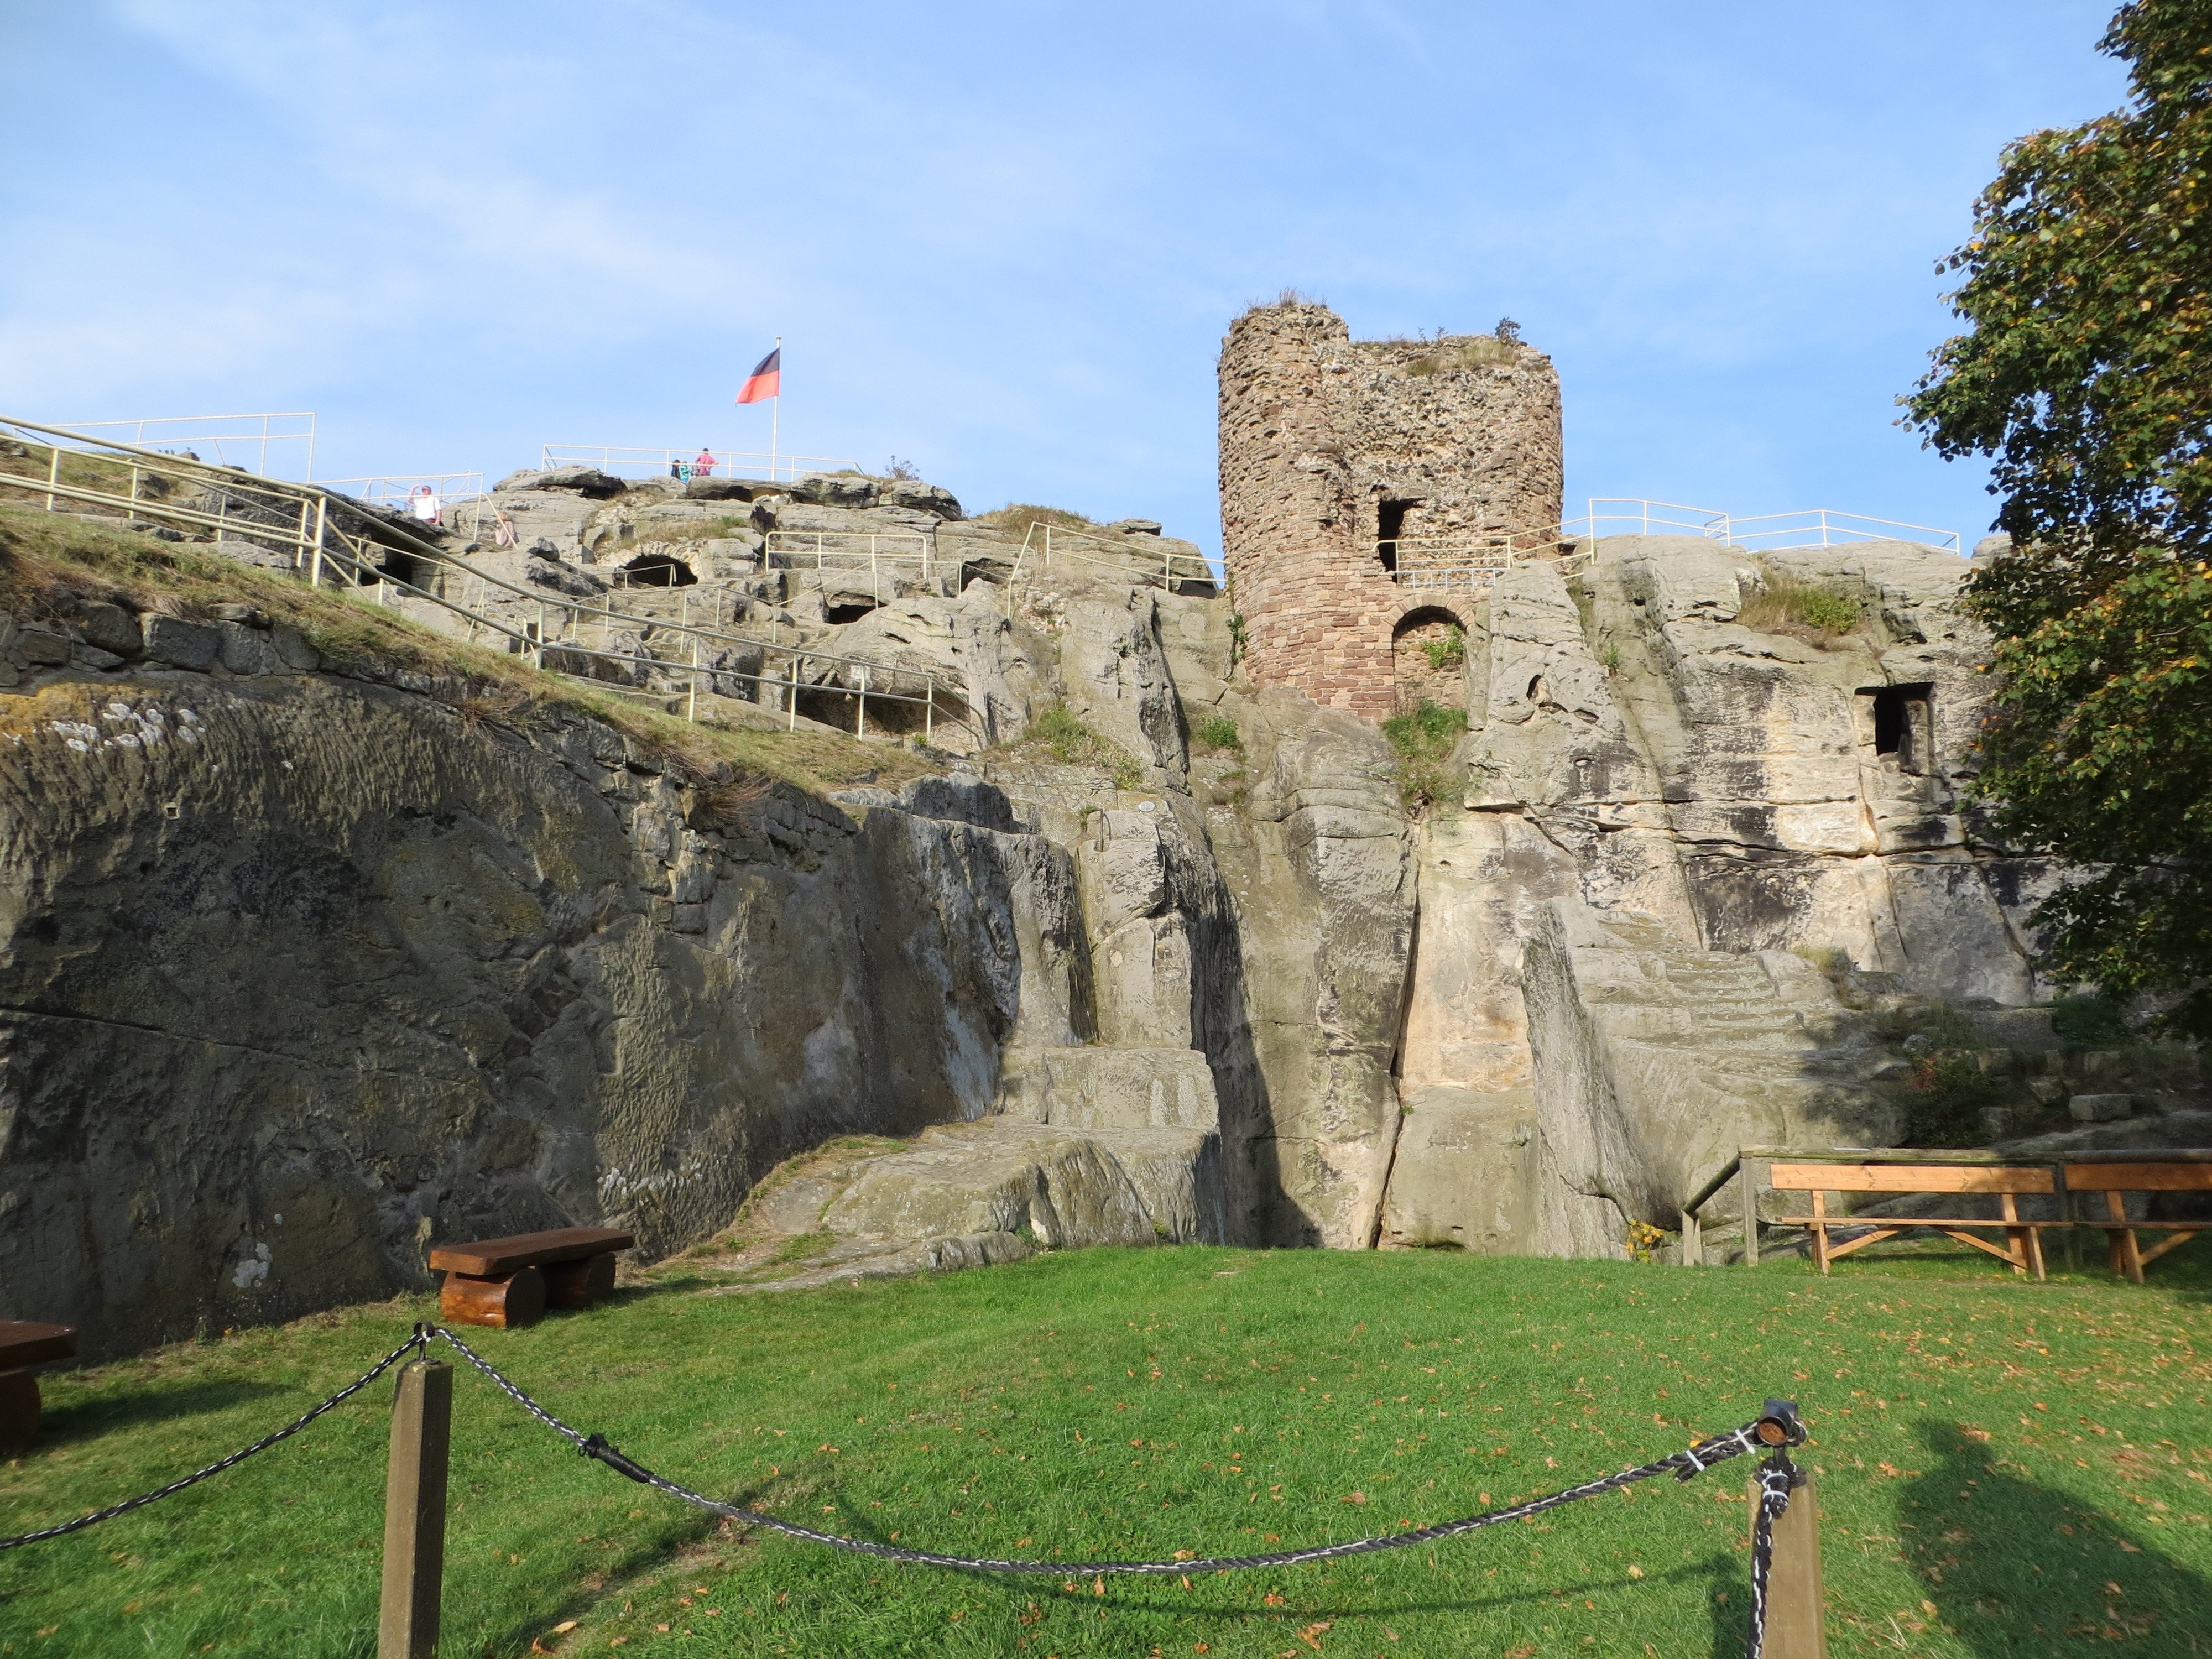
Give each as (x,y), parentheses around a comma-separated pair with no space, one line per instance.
(692,713)
(54,474)
(541,633)
(929,711)
(415,1511)
(791,724)
(863,730)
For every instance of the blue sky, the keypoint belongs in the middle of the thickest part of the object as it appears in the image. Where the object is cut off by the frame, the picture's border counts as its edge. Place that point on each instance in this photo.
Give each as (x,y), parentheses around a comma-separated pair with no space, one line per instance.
(1003,240)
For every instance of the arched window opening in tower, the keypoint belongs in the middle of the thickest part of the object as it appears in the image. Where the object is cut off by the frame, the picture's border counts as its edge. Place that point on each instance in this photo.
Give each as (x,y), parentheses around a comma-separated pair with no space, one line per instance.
(660,570)
(1428,658)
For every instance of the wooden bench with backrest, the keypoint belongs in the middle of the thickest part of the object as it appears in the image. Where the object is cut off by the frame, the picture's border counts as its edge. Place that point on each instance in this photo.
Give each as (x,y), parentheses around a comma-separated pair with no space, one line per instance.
(25,1343)
(511,1281)
(2116,1181)
(2022,1249)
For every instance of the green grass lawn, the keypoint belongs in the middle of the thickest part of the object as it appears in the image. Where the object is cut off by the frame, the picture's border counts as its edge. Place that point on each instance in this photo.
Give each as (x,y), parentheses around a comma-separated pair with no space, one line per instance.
(2007,1467)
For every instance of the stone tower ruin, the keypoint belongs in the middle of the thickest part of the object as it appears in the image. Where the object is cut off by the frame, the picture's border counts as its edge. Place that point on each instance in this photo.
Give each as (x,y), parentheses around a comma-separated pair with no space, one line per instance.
(1369,491)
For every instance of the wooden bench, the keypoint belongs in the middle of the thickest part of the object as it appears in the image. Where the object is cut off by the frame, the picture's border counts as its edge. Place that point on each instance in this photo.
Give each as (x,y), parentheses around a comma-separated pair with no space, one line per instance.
(25,1343)
(2115,1180)
(512,1281)
(2022,1249)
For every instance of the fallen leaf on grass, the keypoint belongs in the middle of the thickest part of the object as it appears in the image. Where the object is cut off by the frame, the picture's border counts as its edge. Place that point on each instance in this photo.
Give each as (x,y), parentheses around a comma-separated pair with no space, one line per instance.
(1635,1572)
(564,1626)
(1308,1634)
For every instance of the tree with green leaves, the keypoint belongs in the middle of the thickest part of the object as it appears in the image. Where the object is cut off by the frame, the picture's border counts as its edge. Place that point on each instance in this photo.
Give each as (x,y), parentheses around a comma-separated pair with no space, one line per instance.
(2086,373)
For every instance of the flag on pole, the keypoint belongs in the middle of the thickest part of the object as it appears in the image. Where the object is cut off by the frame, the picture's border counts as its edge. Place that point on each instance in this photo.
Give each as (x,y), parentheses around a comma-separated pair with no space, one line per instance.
(765,380)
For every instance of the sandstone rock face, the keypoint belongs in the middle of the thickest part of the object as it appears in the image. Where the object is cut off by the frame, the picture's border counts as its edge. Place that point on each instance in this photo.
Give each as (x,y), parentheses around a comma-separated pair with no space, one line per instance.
(1655,1060)
(304,973)
(1635,749)
(1465,1174)
(1319,868)
(307,970)
(1029,1180)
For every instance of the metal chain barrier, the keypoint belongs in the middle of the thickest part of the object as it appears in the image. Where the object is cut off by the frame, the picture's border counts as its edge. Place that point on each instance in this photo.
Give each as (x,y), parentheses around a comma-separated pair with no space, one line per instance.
(415,1342)
(1776,1430)
(1779,1427)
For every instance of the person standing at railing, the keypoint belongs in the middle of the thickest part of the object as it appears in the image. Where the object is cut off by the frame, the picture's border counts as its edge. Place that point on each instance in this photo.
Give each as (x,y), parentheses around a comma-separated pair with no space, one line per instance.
(704,466)
(422,501)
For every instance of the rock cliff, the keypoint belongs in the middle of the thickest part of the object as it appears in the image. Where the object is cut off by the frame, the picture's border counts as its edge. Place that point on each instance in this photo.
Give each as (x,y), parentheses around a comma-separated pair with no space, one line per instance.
(314,951)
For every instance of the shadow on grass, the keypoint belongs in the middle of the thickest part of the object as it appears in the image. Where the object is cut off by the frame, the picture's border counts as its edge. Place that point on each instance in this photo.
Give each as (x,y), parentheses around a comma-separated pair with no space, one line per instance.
(2014,1568)
(157,1402)
(1726,1575)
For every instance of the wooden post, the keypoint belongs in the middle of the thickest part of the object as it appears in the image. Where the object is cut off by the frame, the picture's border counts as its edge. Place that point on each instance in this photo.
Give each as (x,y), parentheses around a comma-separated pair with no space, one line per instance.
(1796,1625)
(1750,1177)
(415,1511)
(1693,1241)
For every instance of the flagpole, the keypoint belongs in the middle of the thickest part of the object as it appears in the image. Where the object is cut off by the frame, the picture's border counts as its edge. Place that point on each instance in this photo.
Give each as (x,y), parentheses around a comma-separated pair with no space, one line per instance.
(775,413)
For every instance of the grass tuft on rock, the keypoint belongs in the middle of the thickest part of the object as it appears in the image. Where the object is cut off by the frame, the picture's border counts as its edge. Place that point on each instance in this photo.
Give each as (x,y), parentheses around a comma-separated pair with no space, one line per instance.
(1219,733)
(1061,735)
(1016,517)
(1783,604)
(1425,740)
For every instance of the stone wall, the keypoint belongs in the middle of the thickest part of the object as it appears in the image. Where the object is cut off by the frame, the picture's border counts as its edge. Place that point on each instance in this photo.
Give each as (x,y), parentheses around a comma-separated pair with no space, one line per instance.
(1330,446)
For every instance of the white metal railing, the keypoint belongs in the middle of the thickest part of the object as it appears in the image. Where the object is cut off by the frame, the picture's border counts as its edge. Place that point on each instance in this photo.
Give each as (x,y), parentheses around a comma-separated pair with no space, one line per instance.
(258,430)
(1820,527)
(630,461)
(1042,552)
(1812,526)
(873,551)
(1471,562)
(273,514)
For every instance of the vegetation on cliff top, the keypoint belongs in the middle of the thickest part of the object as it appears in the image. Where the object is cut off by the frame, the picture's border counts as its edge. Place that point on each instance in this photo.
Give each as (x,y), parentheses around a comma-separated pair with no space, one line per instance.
(1998,1463)
(1782,604)
(48,562)
(1016,517)
(2087,291)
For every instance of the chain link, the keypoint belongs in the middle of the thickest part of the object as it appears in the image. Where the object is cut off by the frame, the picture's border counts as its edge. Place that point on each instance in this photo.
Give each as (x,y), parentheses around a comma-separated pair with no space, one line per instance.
(1683,1465)
(419,1342)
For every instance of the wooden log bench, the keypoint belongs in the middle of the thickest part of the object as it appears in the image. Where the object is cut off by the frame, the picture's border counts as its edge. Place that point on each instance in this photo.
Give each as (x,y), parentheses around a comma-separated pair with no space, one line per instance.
(512,1281)
(2116,1181)
(2022,1249)
(25,1343)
